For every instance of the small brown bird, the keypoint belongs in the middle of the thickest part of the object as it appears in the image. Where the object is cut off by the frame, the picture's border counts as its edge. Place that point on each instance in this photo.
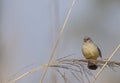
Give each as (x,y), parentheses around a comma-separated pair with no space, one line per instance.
(91,52)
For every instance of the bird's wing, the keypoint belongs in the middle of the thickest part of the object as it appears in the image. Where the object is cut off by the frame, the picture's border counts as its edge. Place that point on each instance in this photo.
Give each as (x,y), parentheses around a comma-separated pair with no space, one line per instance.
(100,54)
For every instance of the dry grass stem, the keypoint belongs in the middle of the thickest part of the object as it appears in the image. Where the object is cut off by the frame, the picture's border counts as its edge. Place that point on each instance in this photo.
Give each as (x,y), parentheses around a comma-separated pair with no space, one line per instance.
(80,79)
(99,72)
(64,77)
(57,40)
(31,71)
(73,65)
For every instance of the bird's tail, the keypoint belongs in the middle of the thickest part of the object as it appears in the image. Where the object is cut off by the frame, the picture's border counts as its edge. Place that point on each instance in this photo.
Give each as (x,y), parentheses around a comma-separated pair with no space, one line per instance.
(92,65)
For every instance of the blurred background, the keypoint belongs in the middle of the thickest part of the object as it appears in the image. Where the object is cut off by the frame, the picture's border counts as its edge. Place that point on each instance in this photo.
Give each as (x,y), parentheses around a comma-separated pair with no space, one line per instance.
(29,28)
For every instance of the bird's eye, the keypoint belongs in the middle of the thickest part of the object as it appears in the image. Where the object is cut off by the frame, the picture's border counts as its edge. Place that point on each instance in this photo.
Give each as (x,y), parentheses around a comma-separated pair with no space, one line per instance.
(88,39)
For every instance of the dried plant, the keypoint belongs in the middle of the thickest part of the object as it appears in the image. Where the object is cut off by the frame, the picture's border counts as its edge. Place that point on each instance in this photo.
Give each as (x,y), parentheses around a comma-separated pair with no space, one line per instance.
(77,68)
(58,40)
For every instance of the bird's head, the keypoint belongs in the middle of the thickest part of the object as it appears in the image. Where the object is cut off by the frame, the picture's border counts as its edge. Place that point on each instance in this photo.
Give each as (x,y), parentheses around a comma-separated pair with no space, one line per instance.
(87,39)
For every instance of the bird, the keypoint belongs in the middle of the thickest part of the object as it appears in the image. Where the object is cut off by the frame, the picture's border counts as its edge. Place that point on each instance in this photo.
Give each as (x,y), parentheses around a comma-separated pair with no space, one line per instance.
(91,52)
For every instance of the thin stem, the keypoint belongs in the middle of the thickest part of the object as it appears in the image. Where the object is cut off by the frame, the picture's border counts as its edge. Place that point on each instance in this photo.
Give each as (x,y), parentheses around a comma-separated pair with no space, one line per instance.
(57,40)
(32,71)
(99,72)
(27,73)
(59,65)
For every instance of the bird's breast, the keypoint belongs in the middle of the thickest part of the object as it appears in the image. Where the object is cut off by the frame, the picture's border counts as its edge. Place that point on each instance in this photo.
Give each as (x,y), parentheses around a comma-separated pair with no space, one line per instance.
(90,51)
